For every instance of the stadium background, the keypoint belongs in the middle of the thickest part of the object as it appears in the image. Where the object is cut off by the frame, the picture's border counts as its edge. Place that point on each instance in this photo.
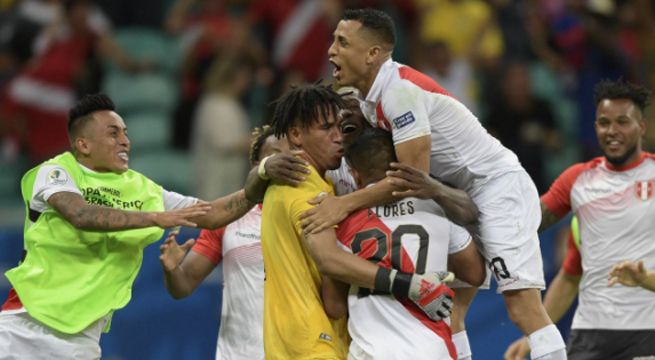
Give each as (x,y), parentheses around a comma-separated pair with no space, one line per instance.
(525,67)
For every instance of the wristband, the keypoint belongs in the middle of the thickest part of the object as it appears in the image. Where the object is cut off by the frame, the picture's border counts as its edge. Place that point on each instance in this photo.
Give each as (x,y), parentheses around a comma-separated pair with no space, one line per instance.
(261,170)
(385,282)
(401,284)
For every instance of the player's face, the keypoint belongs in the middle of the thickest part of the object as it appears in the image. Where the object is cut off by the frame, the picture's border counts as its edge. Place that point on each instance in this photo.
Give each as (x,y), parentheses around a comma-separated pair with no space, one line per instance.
(322,142)
(352,121)
(348,53)
(107,147)
(619,128)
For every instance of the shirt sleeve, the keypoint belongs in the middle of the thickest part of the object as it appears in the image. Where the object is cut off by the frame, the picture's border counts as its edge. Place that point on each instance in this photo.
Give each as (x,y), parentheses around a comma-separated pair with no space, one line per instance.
(173,200)
(459,239)
(210,245)
(558,197)
(51,179)
(405,112)
(573,262)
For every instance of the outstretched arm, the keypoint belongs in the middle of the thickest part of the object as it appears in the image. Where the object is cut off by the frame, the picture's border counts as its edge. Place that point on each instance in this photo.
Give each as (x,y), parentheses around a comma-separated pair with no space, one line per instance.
(90,217)
(224,210)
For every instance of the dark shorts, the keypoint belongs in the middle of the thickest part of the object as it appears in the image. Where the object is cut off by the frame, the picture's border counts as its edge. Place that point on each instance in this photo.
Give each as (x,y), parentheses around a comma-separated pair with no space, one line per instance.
(611,345)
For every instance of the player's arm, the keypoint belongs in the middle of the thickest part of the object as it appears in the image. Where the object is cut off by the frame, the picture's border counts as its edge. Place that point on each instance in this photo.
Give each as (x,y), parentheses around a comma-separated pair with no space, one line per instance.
(415,152)
(282,167)
(225,210)
(548,218)
(425,290)
(335,297)
(467,265)
(182,274)
(331,210)
(457,204)
(83,216)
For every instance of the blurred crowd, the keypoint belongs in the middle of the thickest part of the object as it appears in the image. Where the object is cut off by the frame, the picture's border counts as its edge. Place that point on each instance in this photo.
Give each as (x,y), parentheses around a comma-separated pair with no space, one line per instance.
(526,68)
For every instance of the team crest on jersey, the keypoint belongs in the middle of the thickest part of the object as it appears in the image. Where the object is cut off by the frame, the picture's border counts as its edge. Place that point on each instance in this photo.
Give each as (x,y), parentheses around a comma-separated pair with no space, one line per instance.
(404,120)
(644,189)
(57,177)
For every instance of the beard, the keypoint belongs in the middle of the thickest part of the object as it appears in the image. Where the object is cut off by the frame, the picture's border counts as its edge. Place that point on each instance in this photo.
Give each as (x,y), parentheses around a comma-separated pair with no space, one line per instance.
(619,161)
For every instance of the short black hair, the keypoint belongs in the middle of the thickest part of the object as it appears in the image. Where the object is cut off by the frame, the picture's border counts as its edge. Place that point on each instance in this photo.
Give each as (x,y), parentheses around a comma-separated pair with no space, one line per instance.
(259,136)
(622,89)
(305,104)
(376,21)
(371,152)
(80,113)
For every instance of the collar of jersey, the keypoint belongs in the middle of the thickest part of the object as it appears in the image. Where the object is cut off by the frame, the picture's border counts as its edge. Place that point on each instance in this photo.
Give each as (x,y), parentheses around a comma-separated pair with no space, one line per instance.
(384,73)
(632,165)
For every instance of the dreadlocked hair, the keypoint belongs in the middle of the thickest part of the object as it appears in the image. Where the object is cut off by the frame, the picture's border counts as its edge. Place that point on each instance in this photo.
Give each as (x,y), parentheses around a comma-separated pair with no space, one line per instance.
(622,89)
(257,140)
(304,105)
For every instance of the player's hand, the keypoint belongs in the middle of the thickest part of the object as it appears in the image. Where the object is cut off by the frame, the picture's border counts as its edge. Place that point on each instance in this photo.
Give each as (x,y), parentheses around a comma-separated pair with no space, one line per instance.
(180,217)
(430,293)
(415,182)
(628,273)
(171,254)
(287,168)
(329,211)
(519,350)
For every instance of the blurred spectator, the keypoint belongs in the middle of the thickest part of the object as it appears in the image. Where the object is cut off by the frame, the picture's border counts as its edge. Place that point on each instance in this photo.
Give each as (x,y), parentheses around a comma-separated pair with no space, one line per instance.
(523,122)
(34,106)
(208,31)
(300,32)
(583,36)
(221,129)
(468,27)
(454,74)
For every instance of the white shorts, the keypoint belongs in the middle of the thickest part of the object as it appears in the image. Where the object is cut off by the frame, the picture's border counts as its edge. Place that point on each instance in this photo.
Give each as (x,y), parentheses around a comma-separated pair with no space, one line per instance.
(506,232)
(22,337)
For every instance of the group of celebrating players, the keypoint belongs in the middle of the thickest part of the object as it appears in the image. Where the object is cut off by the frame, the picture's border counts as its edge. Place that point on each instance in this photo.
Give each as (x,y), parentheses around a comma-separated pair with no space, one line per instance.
(362,231)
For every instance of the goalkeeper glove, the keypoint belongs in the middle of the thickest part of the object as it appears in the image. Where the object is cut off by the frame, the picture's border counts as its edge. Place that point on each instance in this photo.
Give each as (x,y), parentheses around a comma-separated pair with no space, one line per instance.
(427,291)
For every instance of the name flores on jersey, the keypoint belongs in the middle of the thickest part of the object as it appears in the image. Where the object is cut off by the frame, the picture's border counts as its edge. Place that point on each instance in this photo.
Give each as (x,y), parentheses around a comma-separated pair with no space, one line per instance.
(396,209)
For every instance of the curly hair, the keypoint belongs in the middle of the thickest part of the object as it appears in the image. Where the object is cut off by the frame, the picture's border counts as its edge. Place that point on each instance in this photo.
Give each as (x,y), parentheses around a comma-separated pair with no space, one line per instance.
(622,89)
(257,140)
(304,104)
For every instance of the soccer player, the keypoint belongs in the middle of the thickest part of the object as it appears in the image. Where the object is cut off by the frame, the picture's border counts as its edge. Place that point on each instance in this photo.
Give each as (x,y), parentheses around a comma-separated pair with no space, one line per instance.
(436,134)
(612,198)
(295,324)
(88,218)
(238,246)
(409,235)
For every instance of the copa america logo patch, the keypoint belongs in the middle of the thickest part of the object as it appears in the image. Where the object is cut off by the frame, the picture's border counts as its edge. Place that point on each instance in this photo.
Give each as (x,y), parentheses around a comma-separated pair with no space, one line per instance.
(57,177)
(644,189)
(404,120)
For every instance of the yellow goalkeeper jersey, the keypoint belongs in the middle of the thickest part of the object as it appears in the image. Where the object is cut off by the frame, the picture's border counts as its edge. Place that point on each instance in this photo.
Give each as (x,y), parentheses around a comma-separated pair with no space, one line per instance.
(295,324)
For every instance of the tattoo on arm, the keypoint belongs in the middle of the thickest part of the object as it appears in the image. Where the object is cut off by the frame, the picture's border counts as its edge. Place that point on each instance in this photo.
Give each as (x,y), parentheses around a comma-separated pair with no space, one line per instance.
(85,216)
(237,204)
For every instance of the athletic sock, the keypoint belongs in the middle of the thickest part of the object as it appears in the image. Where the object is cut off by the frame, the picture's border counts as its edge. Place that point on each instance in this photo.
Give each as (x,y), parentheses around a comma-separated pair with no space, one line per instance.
(461,341)
(547,344)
